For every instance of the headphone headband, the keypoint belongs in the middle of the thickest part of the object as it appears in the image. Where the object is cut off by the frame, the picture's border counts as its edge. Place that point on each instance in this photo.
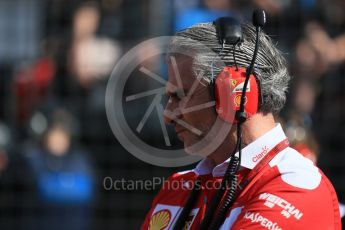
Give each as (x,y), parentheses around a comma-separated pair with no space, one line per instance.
(229,30)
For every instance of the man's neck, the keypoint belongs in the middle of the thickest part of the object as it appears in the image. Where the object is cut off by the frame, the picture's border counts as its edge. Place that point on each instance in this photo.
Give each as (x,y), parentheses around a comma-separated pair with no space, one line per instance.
(257,126)
(252,129)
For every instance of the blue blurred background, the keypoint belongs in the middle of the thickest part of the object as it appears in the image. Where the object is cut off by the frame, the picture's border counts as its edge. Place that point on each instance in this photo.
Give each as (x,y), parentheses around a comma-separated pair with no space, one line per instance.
(56,146)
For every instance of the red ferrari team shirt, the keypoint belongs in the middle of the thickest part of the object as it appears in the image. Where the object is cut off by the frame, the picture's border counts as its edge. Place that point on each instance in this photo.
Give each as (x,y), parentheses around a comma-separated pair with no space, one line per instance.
(289,192)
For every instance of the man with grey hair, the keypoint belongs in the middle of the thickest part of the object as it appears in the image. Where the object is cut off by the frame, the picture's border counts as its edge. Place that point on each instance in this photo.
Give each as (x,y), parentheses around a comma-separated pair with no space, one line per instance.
(277,188)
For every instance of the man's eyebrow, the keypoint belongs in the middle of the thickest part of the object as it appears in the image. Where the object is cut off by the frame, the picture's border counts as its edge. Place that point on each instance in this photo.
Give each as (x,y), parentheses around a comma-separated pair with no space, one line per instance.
(171,94)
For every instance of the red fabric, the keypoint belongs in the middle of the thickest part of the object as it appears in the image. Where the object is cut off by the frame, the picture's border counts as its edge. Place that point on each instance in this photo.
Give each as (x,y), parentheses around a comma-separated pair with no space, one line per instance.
(304,150)
(272,200)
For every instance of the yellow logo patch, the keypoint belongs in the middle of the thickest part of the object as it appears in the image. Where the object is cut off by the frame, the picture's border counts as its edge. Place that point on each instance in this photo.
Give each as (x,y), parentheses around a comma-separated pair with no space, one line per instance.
(238,100)
(160,220)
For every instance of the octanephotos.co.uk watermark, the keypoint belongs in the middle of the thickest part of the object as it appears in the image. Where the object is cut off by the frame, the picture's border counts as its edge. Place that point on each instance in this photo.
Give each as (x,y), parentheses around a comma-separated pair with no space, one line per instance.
(155,183)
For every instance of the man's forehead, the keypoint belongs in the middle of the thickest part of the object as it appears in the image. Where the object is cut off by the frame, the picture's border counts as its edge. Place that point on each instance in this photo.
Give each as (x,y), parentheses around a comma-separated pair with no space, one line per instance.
(180,70)
(181,58)
(182,79)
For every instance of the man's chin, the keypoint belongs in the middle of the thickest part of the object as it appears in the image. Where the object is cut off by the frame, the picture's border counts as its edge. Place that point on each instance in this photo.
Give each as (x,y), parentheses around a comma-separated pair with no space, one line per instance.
(196,149)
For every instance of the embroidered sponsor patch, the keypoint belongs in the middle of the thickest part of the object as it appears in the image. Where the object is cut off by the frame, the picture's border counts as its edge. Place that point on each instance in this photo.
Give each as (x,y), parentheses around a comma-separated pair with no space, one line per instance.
(165,216)
(288,209)
(160,220)
(260,155)
(239,88)
(163,209)
(256,217)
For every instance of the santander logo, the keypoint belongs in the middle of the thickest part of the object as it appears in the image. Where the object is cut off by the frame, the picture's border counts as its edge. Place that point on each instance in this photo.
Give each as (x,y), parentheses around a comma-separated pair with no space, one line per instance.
(260,155)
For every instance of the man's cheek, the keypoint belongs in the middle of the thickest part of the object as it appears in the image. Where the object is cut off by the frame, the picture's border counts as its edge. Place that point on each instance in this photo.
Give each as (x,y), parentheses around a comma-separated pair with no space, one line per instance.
(190,139)
(206,125)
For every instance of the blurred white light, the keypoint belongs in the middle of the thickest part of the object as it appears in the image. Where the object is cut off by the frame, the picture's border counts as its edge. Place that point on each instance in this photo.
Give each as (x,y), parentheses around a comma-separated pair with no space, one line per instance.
(300,134)
(95,57)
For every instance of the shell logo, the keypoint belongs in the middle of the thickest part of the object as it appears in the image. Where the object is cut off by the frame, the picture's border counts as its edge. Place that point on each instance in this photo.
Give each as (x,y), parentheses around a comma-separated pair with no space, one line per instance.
(238,100)
(160,220)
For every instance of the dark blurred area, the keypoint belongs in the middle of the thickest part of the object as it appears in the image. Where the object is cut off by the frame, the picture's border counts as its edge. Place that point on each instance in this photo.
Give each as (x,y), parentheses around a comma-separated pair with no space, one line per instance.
(56,146)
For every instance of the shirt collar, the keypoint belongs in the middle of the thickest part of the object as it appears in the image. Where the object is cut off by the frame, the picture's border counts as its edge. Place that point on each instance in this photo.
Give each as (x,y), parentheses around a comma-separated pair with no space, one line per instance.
(252,154)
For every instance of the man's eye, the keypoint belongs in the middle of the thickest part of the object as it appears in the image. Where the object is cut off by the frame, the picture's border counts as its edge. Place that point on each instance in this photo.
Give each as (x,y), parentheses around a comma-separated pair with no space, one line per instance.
(174,98)
(171,99)
(180,94)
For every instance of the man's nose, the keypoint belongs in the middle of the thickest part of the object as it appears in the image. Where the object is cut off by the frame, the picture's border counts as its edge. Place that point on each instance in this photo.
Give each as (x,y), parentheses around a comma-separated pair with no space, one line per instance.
(171,113)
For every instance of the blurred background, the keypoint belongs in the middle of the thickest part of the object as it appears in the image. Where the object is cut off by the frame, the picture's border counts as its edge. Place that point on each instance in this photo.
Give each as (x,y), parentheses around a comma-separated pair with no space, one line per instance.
(56,146)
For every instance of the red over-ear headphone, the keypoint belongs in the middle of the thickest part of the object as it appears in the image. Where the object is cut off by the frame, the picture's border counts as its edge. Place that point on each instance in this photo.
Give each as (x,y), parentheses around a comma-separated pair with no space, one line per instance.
(230,81)
(228,91)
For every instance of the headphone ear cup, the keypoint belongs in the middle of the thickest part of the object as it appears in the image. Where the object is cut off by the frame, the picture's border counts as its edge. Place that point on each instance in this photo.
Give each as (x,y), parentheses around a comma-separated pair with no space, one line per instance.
(228,91)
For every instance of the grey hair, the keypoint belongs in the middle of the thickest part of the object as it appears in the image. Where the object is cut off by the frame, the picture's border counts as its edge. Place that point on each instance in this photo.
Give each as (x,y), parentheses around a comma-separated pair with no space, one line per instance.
(202,43)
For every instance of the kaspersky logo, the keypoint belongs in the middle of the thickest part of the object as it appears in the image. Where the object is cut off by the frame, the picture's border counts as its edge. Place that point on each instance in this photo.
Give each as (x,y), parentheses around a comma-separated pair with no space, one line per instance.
(256,217)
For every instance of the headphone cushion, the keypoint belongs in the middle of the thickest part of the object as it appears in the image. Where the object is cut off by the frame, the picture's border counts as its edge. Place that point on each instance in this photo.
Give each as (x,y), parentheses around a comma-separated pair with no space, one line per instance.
(228,92)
